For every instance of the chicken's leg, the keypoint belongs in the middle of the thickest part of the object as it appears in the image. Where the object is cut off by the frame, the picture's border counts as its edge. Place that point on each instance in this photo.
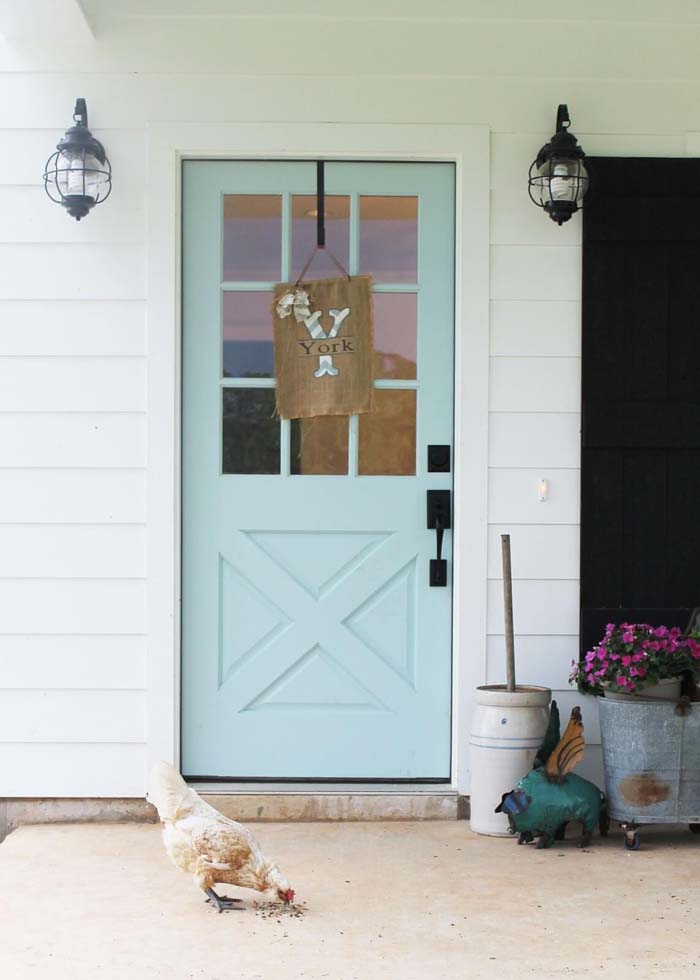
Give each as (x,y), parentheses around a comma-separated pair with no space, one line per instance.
(223,902)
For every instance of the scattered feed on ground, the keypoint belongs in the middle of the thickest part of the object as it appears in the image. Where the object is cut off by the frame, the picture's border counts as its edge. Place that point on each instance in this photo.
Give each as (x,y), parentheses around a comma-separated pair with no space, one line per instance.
(275,910)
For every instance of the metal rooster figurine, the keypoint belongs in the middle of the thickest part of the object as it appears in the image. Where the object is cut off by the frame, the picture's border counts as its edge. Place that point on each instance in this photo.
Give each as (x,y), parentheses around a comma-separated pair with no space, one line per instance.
(549,796)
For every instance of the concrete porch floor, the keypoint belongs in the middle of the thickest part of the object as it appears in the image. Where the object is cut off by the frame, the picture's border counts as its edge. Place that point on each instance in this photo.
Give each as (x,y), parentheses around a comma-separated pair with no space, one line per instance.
(397,901)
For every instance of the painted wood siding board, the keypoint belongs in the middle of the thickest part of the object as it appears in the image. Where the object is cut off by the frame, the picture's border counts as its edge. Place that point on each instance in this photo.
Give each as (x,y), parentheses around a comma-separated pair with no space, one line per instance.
(73,661)
(674,11)
(535,384)
(539,608)
(536,272)
(72,551)
(544,660)
(529,439)
(516,221)
(535,329)
(72,328)
(91,440)
(129,101)
(387,45)
(27,218)
(539,551)
(514,496)
(72,769)
(44,606)
(65,384)
(89,496)
(72,271)
(72,716)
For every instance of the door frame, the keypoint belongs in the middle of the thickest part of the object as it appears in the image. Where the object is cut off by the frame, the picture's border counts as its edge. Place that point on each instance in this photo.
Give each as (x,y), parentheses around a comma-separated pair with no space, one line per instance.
(468,147)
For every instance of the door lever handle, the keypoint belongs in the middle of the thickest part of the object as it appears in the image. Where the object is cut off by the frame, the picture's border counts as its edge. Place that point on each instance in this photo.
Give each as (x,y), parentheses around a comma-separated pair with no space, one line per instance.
(439,518)
(439,531)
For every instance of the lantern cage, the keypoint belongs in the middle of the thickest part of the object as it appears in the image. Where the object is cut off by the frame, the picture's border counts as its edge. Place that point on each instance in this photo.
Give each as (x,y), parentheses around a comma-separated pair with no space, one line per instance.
(558,178)
(78,175)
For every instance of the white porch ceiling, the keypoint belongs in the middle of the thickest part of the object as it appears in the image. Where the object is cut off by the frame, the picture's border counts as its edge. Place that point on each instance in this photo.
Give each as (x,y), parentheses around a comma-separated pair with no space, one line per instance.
(610,11)
(40,20)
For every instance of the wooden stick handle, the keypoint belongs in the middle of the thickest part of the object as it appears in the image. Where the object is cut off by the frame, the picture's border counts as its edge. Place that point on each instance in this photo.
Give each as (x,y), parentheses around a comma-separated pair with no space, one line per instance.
(508,611)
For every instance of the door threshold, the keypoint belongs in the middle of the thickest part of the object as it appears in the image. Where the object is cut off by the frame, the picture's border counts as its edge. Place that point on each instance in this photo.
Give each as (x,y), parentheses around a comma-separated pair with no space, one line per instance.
(249,802)
(233,787)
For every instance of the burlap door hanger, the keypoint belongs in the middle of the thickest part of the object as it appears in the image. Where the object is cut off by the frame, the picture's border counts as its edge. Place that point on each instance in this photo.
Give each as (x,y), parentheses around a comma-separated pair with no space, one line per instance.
(323,337)
(323,340)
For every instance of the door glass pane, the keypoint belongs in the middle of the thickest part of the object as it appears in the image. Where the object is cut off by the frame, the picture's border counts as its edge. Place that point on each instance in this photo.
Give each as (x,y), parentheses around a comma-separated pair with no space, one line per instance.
(250,431)
(387,442)
(247,335)
(304,236)
(395,328)
(252,237)
(319,446)
(389,238)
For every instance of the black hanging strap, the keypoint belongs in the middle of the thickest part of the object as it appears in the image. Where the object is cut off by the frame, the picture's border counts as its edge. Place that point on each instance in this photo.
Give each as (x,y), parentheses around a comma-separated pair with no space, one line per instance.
(320,205)
(321,225)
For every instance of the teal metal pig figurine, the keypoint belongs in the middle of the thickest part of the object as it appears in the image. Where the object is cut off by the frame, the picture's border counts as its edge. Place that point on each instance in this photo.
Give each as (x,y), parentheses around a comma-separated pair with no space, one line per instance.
(550,796)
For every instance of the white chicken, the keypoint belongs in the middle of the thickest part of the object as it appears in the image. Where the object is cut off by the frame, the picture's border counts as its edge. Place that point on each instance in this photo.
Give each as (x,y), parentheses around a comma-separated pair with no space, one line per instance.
(212,848)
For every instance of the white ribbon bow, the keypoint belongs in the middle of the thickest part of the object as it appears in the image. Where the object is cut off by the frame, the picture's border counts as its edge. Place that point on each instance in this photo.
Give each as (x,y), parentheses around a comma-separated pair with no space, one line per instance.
(296,301)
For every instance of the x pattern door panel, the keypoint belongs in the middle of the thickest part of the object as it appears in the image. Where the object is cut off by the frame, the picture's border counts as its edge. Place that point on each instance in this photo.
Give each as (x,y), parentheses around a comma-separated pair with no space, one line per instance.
(286,654)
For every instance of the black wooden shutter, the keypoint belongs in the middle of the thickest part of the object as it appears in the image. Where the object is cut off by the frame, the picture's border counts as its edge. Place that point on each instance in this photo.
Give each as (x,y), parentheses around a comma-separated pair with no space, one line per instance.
(640,482)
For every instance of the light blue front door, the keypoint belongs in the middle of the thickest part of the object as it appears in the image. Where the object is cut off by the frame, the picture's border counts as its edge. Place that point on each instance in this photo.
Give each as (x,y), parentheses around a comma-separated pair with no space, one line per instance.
(313,646)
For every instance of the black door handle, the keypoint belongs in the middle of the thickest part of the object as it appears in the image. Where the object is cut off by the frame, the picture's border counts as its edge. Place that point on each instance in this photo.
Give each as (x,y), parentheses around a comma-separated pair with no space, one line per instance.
(439,518)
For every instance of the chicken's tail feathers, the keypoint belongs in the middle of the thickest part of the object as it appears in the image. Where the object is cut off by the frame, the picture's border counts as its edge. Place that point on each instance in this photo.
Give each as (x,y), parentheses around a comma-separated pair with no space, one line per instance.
(168,792)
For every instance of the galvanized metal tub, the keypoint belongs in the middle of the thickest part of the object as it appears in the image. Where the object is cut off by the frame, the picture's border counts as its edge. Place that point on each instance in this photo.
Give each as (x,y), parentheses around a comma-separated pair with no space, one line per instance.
(651,757)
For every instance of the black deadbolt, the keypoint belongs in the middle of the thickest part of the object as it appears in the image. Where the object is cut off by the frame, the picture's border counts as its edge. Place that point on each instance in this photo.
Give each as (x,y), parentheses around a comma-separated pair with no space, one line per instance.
(438,459)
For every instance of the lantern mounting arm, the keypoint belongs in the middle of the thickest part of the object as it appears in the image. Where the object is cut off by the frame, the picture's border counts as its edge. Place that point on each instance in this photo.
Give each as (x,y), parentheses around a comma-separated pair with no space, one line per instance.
(80,114)
(563,121)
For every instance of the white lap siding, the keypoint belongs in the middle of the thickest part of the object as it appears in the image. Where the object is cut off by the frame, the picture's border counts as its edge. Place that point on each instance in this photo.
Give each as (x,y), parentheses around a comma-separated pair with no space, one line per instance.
(73,568)
(72,485)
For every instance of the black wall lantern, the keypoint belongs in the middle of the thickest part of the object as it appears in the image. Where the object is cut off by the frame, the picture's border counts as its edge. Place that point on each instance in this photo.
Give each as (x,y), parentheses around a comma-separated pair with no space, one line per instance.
(558,178)
(78,175)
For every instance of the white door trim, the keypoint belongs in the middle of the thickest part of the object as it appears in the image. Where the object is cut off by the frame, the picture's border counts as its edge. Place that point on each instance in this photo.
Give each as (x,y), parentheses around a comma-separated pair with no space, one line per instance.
(468,148)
